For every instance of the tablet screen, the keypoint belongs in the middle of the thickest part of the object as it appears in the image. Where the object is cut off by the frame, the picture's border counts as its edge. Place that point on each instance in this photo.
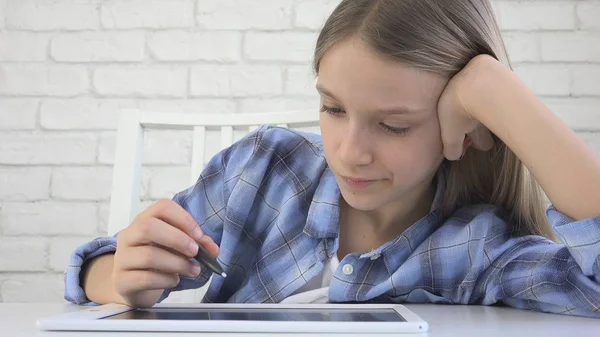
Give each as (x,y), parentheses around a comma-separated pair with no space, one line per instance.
(287,314)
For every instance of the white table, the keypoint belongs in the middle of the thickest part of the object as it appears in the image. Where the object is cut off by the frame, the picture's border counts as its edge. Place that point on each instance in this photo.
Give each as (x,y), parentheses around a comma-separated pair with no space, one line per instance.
(17,320)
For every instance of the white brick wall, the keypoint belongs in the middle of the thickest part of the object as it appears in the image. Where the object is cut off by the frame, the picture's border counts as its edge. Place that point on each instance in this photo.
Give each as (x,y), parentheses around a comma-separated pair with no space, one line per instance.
(32,15)
(271,46)
(98,47)
(68,66)
(179,45)
(151,14)
(140,81)
(245,15)
(37,79)
(236,80)
(24,47)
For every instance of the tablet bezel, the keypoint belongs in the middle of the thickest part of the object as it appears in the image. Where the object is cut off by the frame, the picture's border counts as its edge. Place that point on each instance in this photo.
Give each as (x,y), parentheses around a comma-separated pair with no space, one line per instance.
(89,319)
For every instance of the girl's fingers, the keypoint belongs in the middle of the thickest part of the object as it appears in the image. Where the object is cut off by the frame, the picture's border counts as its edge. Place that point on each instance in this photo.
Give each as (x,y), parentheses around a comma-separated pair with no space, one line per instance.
(453,135)
(455,141)
(155,231)
(208,243)
(453,144)
(482,138)
(158,259)
(169,225)
(176,216)
(134,281)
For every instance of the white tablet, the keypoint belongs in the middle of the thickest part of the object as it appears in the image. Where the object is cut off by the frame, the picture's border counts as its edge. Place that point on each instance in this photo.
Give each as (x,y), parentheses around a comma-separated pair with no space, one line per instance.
(262,318)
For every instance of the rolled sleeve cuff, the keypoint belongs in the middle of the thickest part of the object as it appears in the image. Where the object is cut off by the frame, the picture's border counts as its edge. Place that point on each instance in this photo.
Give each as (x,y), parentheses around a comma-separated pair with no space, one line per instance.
(581,237)
(73,291)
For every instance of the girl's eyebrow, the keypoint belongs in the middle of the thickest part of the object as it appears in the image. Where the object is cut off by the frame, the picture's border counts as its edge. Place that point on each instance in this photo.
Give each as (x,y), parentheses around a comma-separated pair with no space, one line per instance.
(325,92)
(400,110)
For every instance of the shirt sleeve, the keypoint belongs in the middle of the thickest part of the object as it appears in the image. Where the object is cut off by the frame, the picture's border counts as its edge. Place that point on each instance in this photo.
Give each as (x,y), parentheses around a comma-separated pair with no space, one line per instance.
(535,273)
(205,201)
(73,291)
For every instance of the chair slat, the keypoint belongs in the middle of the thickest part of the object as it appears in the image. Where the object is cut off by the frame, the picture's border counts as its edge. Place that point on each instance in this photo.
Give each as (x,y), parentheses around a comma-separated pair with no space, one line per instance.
(178,120)
(198,152)
(226,136)
(125,194)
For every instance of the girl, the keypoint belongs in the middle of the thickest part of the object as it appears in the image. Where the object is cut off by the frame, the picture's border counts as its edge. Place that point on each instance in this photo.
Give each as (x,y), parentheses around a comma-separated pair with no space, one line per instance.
(422,188)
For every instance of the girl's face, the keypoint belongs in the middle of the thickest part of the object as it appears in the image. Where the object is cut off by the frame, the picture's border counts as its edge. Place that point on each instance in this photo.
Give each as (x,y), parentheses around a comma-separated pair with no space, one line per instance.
(379,123)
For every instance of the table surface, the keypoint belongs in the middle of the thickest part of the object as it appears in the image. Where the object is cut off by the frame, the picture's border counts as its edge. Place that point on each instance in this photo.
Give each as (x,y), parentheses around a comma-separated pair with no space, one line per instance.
(17,320)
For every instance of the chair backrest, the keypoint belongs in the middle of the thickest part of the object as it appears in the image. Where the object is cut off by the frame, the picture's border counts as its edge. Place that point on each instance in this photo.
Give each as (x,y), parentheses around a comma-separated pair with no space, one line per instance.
(124,202)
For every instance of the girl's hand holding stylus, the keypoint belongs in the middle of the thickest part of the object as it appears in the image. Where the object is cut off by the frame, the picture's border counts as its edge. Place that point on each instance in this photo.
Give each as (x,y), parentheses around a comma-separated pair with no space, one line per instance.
(155,250)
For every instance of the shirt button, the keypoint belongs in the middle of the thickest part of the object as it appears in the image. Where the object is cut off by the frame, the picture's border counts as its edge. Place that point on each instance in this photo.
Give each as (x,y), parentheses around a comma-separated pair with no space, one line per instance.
(375,257)
(348,269)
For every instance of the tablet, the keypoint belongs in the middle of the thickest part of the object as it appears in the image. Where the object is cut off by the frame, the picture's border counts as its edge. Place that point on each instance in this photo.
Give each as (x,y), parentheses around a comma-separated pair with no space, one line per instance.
(259,318)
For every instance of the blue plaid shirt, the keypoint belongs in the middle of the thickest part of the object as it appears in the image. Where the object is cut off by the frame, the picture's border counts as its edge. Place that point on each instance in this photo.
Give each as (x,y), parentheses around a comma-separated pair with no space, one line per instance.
(272,205)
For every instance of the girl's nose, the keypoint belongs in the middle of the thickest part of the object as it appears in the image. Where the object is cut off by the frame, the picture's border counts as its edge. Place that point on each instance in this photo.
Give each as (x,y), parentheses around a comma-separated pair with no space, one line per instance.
(355,147)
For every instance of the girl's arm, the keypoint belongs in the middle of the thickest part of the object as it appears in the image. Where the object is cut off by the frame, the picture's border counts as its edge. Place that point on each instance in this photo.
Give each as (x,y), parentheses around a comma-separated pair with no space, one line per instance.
(529,272)
(566,168)
(89,276)
(97,282)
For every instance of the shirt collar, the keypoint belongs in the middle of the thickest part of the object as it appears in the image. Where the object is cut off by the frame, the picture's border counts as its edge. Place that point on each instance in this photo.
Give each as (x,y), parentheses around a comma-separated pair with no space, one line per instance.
(324,212)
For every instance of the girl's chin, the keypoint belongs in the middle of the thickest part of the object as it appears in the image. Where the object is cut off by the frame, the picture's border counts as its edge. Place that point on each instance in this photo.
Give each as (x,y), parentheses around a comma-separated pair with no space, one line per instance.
(362,202)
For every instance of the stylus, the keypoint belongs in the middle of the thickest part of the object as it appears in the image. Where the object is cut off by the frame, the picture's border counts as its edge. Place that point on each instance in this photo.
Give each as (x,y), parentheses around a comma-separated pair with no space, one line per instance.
(206,259)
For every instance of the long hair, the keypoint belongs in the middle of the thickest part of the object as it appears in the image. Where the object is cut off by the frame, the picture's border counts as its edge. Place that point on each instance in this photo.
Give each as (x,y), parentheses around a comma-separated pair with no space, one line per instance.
(442,37)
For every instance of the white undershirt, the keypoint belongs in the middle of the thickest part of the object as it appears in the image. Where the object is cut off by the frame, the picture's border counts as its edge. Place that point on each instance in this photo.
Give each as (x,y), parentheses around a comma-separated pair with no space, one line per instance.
(317,289)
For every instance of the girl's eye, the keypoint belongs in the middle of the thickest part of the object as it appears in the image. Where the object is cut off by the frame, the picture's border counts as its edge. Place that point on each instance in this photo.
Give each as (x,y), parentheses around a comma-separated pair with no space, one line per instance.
(394,130)
(333,111)
(389,129)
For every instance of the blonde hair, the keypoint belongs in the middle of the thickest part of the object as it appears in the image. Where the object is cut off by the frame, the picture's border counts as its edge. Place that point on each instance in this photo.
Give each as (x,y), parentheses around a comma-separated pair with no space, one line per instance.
(442,37)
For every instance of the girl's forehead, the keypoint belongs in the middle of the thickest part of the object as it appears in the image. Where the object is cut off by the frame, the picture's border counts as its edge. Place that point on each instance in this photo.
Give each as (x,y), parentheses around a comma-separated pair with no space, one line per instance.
(351,70)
